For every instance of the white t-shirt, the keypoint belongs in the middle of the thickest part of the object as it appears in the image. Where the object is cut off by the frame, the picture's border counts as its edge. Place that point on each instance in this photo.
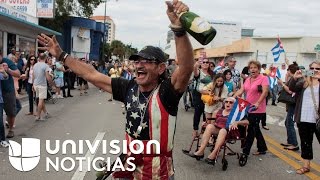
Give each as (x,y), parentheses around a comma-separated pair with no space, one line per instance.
(283,73)
(308,113)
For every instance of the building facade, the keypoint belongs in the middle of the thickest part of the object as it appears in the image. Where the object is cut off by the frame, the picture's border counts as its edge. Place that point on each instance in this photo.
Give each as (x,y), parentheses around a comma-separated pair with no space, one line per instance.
(299,49)
(19,30)
(111,33)
(83,38)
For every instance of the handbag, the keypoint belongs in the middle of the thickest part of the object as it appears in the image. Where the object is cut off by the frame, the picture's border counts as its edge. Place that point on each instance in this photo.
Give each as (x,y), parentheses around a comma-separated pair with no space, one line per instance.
(208,99)
(316,108)
(287,98)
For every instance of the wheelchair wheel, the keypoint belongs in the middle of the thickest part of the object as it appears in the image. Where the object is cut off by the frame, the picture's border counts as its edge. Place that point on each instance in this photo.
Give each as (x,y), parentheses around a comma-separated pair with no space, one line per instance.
(224,164)
(243,160)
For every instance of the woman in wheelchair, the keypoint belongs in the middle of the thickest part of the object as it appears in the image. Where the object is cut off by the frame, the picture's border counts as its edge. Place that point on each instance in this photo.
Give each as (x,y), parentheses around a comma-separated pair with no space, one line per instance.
(218,128)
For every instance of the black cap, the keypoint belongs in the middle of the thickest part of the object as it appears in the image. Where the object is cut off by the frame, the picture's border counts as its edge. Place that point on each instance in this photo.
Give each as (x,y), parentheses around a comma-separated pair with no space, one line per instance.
(150,53)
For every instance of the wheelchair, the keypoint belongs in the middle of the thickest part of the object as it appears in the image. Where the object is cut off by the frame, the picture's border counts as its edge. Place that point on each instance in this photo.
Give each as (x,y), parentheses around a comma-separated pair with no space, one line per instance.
(188,97)
(232,137)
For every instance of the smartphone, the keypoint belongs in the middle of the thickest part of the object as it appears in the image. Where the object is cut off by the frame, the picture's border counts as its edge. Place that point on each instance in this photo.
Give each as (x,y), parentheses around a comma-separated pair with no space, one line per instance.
(307,73)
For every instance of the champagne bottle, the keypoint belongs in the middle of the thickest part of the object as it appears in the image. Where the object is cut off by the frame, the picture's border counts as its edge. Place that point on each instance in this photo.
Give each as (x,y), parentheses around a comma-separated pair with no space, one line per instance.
(197,27)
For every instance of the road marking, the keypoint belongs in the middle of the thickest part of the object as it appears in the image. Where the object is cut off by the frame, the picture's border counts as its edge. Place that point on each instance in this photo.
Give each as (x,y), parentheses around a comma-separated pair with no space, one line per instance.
(79,175)
(291,162)
(291,153)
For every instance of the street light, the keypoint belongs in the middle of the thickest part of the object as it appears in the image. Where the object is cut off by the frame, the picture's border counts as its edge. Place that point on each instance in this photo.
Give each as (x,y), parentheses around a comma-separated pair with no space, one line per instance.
(104,34)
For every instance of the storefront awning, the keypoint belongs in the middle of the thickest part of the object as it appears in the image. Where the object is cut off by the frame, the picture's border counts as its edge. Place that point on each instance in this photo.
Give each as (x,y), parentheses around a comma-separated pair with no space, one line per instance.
(15,25)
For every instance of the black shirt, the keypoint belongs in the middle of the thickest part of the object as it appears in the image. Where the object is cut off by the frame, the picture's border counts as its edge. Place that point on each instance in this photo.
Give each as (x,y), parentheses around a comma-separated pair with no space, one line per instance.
(126,91)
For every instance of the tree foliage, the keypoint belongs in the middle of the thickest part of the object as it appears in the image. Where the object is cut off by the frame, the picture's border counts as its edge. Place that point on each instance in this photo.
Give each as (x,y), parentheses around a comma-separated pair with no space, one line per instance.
(119,49)
(64,9)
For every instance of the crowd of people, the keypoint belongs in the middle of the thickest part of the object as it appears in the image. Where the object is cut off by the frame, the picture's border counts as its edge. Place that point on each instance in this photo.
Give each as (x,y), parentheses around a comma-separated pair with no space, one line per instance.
(145,81)
(254,85)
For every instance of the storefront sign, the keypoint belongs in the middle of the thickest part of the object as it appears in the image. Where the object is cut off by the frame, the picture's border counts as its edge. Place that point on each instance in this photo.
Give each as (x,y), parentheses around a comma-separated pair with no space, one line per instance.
(7,9)
(27,6)
(45,8)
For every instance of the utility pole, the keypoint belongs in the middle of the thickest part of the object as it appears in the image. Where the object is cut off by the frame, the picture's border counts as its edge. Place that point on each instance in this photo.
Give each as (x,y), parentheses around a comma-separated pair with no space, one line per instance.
(102,62)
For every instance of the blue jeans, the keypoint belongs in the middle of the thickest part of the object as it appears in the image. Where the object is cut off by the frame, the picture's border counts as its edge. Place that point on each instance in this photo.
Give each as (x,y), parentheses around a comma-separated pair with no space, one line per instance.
(2,133)
(275,91)
(30,95)
(291,132)
(18,106)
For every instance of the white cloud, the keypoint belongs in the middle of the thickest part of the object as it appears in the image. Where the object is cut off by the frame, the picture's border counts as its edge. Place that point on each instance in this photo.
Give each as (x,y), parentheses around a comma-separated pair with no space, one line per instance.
(143,22)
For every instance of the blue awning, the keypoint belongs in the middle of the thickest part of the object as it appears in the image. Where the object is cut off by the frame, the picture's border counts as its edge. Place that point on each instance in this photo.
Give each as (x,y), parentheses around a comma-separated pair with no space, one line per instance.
(22,26)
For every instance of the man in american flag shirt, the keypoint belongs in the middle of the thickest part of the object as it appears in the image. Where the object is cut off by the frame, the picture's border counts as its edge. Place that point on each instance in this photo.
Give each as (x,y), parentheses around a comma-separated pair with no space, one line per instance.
(151,99)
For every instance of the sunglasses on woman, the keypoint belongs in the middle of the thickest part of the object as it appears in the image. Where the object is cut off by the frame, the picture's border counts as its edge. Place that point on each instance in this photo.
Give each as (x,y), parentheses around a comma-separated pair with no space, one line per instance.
(205,62)
(312,68)
(229,102)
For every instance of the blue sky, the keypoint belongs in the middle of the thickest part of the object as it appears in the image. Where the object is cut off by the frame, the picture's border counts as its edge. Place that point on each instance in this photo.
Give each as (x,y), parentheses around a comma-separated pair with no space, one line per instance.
(144,22)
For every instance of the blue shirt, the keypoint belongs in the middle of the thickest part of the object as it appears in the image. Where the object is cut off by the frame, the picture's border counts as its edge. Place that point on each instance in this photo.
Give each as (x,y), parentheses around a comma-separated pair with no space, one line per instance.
(229,84)
(20,64)
(8,85)
(1,78)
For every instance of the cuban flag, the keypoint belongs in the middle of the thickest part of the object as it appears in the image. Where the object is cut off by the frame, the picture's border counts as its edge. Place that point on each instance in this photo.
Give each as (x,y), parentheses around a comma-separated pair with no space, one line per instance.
(277,50)
(239,110)
(217,69)
(272,77)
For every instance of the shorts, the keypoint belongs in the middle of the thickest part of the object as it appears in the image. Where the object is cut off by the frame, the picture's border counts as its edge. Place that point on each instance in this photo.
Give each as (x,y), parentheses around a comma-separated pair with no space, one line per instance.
(59,82)
(9,106)
(82,81)
(41,92)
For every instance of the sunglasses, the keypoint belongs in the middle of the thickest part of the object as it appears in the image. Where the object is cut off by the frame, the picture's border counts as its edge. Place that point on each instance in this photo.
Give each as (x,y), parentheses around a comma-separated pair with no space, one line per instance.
(205,62)
(312,68)
(229,102)
(144,61)
(32,59)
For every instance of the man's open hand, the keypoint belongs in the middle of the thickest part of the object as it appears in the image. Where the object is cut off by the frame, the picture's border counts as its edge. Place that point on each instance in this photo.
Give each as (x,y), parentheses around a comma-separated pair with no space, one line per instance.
(50,44)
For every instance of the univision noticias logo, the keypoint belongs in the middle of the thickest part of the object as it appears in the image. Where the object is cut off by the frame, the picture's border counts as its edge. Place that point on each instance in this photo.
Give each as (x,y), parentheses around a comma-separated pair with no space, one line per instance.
(26,156)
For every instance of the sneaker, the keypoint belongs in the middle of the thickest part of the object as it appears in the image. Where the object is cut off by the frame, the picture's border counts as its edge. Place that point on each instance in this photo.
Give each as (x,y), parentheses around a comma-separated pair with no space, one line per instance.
(10,134)
(4,144)
(38,119)
(60,97)
(7,125)
(47,116)
(54,96)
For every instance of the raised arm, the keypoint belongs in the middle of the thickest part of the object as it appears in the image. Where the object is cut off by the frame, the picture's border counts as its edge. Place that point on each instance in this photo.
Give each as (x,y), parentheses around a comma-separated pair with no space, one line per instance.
(181,75)
(82,69)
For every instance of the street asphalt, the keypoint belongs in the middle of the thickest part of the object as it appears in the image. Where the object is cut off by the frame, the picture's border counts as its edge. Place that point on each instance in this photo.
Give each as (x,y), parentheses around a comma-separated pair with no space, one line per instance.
(93,117)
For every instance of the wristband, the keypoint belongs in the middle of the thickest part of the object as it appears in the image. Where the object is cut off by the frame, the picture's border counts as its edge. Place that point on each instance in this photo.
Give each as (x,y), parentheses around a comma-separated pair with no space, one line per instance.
(178,30)
(63,56)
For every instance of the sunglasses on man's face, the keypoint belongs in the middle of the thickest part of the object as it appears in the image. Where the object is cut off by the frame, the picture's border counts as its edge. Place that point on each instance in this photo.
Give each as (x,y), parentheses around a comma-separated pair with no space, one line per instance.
(144,61)
(313,68)
(205,62)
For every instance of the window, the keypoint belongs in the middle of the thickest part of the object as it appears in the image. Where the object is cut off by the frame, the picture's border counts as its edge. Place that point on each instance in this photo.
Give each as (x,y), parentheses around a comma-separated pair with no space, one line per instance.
(27,45)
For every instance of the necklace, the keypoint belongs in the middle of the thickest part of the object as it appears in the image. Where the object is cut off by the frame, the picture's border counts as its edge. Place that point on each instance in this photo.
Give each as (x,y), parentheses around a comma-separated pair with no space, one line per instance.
(143,109)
